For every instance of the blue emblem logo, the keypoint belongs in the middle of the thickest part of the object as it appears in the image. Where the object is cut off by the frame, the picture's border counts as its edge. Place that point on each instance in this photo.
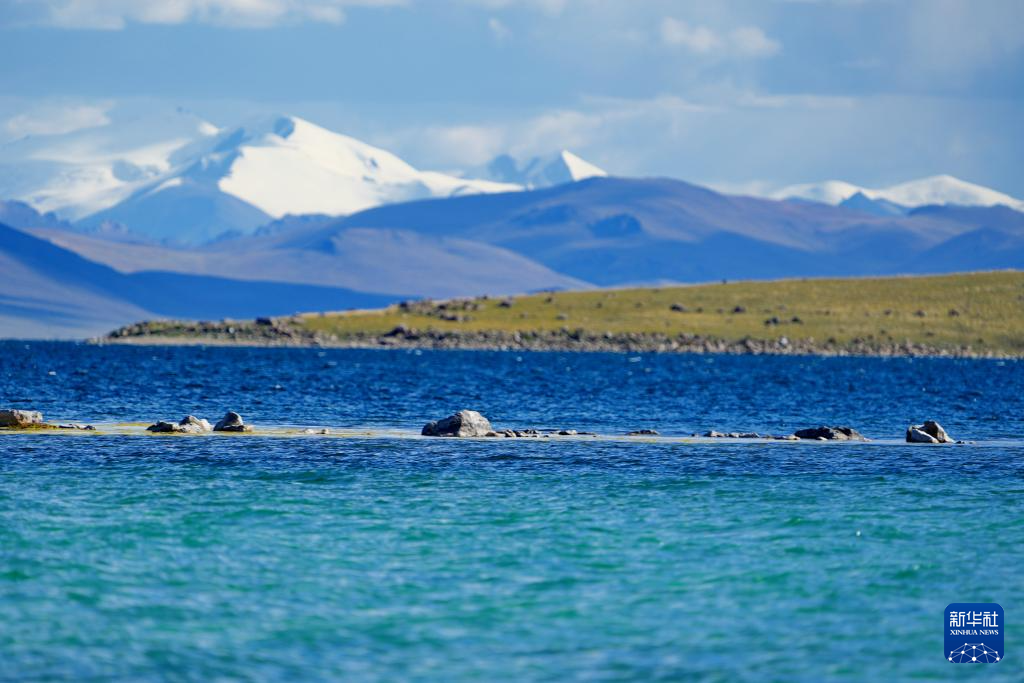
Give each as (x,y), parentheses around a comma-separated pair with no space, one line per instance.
(974,633)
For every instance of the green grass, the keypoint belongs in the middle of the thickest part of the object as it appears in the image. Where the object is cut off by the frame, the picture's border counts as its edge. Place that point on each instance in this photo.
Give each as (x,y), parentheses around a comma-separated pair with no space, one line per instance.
(984,311)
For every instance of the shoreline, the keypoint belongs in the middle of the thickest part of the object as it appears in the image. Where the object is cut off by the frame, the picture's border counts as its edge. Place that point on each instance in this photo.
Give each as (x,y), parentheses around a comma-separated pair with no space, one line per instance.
(137,429)
(555,341)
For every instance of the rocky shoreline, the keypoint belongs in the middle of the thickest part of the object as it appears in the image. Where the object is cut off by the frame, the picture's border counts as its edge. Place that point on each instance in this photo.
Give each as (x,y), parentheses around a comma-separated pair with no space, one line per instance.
(292,333)
(471,424)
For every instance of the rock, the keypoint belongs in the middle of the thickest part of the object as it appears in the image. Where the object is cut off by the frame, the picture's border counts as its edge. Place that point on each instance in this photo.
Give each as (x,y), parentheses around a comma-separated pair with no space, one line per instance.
(190,424)
(678,308)
(830,434)
(465,423)
(643,432)
(787,437)
(75,425)
(568,432)
(20,419)
(731,435)
(231,422)
(915,435)
(930,428)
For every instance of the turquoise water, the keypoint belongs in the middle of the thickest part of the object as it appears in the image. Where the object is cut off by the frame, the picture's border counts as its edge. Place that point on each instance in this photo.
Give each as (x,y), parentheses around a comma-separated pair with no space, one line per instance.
(383,559)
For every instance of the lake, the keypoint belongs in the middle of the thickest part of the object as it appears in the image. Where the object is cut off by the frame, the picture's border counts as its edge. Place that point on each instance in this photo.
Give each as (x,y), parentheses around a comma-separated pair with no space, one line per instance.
(382,558)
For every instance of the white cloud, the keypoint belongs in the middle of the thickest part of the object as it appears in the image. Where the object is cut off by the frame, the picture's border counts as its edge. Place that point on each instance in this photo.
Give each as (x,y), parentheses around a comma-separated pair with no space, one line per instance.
(750,41)
(499,29)
(54,120)
(551,7)
(699,39)
(116,14)
(745,41)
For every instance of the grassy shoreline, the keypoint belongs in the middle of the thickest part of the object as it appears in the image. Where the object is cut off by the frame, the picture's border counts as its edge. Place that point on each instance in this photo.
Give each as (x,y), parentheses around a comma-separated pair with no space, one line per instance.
(964,315)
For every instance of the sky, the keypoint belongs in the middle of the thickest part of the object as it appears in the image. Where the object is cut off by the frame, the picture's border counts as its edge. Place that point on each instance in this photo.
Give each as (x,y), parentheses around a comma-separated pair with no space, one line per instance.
(742,95)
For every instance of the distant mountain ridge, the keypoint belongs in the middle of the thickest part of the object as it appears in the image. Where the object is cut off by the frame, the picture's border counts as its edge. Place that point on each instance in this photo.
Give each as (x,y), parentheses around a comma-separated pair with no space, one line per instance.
(599,231)
(47,291)
(538,172)
(595,232)
(941,190)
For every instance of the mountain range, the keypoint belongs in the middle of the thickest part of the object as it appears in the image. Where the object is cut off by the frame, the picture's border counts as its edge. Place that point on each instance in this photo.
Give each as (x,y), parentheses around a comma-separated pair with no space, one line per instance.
(184,180)
(935,190)
(244,222)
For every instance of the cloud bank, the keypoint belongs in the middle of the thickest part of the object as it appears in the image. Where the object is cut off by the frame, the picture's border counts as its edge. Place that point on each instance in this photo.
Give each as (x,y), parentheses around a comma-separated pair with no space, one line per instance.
(116,14)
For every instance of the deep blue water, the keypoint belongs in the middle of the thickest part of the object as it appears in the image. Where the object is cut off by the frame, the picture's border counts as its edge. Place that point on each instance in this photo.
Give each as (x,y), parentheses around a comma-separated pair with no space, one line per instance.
(268,558)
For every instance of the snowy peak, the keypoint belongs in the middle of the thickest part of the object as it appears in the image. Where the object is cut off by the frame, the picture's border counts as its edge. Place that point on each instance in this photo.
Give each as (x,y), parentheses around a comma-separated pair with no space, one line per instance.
(580,169)
(181,178)
(945,189)
(940,190)
(83,171)
(545,171)
(287,165)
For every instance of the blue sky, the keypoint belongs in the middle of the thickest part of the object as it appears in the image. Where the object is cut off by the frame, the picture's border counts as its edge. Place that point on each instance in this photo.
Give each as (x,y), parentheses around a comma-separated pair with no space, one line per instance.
(744,95)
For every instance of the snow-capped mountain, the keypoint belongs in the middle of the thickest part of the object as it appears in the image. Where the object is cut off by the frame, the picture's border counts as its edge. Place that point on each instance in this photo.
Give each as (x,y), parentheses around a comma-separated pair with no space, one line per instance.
(934,190)
(197,181)
(287,165)
(544,171)
(77,173)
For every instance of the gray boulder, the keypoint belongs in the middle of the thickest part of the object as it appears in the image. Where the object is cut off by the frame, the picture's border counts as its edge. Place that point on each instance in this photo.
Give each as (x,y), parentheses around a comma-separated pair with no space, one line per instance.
(830,434)
(915,435)
(231,422)
(189,424)
(465,423)
(20,419)
(162,427)
(931,429)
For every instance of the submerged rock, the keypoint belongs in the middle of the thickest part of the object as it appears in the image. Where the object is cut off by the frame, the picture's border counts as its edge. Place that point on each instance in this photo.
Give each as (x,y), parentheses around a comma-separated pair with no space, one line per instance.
(931,429)
(231,422)
(830,434)
(20,419)
(465,423)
